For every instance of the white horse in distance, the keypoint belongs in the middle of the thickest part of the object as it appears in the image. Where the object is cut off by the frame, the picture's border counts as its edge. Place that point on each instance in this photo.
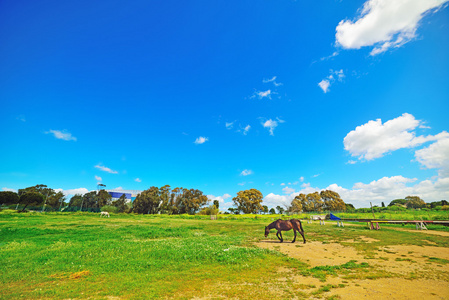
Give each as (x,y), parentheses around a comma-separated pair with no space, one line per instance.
(104,213)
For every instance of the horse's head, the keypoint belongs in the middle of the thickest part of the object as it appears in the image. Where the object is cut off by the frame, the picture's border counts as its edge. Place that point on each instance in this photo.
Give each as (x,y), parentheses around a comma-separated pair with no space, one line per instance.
(267,231)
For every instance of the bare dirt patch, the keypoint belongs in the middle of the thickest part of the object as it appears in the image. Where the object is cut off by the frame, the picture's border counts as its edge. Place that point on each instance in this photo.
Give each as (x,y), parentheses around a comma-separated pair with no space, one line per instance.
(414,272)
(315,253)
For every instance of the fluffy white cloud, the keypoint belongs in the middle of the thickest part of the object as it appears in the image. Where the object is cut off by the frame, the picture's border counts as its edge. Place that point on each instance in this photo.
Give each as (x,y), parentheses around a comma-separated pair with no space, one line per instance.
(374,139)
(384,190)
(246,172)
(201,140)
(246,129)
(272,200)
(138,180)
(436,156)
(224,201)
(272,124)
(5,189)
(105,169)
(384,24)
(229,125)
(98,178)
(62,135)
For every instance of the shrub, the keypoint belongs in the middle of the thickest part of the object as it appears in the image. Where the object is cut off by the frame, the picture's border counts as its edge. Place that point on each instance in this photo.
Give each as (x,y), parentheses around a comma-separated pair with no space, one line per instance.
(109,209)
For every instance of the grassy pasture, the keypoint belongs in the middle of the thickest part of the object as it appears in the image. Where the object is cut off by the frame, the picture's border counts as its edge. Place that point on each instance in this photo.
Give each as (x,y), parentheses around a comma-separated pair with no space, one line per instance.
(79,255)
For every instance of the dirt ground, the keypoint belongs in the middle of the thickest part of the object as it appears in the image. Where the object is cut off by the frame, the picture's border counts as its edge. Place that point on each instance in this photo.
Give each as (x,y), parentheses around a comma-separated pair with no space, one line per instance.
(412,274)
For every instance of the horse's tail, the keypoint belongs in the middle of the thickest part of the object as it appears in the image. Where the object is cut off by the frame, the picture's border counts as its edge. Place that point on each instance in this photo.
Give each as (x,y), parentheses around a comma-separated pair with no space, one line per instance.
(300,225)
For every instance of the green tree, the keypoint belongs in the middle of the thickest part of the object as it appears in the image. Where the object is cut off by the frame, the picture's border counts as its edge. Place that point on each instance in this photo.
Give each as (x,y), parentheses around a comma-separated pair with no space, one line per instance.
(31,198)
(166,200)
(217,204)
(8,197)
(332,201)
(414,202)
(148,201)
(265,209)
(248,201)
(296,205)
(397,202)
(103,198)
(76,201)
(120,204)
(192,200)
(280,209)
(55,200)
(272,211)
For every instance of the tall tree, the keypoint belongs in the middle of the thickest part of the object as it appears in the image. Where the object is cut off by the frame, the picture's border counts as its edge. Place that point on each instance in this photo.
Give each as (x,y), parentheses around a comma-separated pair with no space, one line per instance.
(296,205)
(217,204)
(120,203)
(248,201)
(103,198)
(31,198)
(76,201)
(332,201)
(8,197)
(148,201)
(55,200)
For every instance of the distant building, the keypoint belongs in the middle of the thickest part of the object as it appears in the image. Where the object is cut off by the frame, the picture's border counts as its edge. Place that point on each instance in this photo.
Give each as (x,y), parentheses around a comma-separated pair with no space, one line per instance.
(129,194)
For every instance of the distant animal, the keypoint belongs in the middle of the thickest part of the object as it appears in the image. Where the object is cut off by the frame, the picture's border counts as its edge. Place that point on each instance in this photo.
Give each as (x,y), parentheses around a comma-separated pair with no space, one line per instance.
(104,213)
(286,225)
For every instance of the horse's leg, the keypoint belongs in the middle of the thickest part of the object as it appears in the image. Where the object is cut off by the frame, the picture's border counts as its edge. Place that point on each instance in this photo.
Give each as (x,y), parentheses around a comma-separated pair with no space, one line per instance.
(302,233)
(280,233)
(277,234)
(294,239)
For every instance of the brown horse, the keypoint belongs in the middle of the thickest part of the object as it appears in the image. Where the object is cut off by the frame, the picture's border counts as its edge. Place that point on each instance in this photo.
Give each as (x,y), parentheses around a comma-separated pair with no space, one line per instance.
(286,225)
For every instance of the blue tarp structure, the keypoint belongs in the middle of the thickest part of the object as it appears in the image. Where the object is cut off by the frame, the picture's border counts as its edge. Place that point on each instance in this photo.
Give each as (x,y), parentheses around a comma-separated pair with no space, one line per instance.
(334,218)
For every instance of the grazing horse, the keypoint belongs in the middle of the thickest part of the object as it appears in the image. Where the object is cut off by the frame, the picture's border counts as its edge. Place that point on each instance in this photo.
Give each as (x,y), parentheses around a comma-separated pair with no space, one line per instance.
(104,213)
(286,225)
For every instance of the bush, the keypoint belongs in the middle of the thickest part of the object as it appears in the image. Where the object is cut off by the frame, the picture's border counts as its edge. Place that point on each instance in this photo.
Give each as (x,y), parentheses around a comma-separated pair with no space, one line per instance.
(109,209)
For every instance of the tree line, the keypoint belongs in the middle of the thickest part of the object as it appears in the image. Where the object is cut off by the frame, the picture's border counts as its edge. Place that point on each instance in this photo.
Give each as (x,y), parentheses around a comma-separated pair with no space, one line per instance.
(180,200)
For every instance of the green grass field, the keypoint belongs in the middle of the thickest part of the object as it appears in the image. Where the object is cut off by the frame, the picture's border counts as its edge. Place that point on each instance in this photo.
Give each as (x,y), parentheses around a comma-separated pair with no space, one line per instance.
(80,255)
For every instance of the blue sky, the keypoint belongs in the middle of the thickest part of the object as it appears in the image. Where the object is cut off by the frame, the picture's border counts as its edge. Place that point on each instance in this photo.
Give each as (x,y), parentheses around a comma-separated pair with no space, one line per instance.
(282,96)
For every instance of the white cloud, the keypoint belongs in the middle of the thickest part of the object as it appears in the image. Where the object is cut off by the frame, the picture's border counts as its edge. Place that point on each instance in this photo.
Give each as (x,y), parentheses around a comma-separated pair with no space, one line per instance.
(246,172)
(272,200)
(62,135)
(330,56)
(246,129)
(98,178)
(374,139)
(201,140)
(329,80)
(5,189)
(105,169)
(273,80)
(221,199)
(241,183)
(138,180)
(384,24)
(21,118)
(324,85)
(384,190)
(263,94)
(272,124)
(436,156)
(80,191)
(229,125)
(301,178)
(288,190)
